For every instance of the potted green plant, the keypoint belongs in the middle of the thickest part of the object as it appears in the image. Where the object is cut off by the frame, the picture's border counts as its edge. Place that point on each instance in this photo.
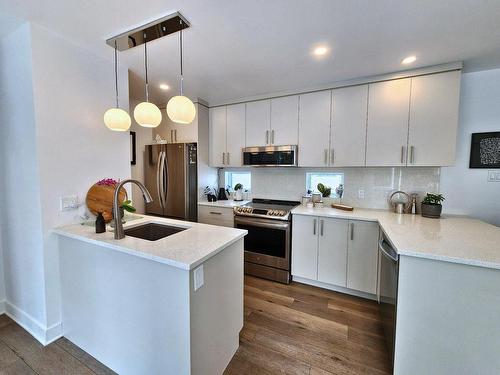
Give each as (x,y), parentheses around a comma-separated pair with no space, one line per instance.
(431,205)
(238,192)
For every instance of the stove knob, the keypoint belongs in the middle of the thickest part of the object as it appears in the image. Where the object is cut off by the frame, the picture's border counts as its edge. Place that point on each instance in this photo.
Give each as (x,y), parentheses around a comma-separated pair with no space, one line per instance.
(282,213)
(272,212)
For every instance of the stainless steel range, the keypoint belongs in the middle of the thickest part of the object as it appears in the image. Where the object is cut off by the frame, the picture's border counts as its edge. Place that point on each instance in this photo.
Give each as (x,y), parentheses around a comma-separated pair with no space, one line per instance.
(268,243)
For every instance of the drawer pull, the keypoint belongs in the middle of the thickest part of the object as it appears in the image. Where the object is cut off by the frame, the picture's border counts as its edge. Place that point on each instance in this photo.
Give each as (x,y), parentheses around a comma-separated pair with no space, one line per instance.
(215,213)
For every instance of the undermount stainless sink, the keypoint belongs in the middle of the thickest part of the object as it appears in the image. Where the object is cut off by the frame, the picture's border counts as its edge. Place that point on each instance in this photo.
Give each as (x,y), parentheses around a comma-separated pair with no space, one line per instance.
(152,231)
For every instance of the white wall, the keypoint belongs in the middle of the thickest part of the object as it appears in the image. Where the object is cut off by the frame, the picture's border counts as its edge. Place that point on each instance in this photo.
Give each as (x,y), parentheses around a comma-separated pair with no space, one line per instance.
(467,191)
(144,136)
(20,200)
(53,143)
(72,89)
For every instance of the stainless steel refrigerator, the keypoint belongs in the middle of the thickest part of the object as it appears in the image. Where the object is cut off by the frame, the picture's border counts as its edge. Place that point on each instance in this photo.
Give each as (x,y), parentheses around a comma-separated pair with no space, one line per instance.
(170,174)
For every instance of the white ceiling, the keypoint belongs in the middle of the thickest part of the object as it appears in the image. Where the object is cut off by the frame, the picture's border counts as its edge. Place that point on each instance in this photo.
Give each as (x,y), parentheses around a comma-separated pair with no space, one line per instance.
(242,48)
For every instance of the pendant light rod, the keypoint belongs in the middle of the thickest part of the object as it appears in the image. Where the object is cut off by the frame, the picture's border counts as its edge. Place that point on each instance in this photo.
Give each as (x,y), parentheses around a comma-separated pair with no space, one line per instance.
(146,65)
(116,75)
(180,42)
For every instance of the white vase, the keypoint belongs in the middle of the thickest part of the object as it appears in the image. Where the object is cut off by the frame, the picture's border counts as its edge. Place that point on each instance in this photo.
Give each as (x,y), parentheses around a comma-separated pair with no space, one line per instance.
(238,195)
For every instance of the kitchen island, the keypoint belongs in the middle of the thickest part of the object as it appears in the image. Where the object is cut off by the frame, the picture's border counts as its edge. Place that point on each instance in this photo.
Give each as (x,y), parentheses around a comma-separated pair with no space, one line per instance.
(447,290)
(170,306)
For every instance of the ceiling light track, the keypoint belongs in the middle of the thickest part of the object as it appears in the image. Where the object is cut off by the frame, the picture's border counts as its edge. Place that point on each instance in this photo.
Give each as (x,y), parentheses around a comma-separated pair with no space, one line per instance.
(159,28)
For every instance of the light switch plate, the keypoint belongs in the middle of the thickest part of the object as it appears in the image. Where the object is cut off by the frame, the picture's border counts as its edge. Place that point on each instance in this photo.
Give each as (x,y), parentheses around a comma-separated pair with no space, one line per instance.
(494,176)
(69,202)
(361,194)
(198,277)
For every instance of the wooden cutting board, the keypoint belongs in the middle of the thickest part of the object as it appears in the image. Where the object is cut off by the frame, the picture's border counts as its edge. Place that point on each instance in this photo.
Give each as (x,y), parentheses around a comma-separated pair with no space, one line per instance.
(100,199)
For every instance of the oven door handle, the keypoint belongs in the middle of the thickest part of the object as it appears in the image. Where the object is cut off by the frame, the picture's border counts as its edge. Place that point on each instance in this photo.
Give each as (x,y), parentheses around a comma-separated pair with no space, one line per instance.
(275,224)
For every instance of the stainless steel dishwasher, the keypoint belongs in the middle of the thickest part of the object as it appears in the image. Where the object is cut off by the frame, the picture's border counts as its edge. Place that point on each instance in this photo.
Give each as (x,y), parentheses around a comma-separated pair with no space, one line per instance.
(389,271)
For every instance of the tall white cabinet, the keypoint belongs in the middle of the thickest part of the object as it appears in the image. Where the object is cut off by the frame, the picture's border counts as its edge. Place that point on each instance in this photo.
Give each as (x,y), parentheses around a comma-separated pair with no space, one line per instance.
(226,135)
(348,134)
(258,123)
(432,132)
(314,129)
(388,112)
(285,120)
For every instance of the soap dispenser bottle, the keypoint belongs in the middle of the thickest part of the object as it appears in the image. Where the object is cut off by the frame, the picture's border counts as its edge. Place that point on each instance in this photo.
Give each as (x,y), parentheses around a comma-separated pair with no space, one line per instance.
(100,223)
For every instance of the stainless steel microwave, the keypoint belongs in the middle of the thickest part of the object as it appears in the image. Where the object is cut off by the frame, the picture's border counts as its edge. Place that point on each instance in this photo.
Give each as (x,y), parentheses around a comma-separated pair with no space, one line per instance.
(270,156)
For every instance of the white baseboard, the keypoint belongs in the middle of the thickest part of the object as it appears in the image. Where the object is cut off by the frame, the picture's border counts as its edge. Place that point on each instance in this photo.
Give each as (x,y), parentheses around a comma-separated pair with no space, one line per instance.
(45,335)
(335,288)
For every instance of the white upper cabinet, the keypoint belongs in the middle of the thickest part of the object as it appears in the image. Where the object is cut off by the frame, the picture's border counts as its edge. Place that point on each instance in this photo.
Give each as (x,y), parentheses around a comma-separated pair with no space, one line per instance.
(362,256)
(217,136)
(285,120)
(388,112)
(332,251)
(314,129)
(258,123)
(433,119)
(235,134)
(349,111)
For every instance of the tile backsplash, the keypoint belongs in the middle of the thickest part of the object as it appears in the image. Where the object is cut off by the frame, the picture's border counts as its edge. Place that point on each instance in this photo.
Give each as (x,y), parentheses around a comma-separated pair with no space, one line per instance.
(377,183)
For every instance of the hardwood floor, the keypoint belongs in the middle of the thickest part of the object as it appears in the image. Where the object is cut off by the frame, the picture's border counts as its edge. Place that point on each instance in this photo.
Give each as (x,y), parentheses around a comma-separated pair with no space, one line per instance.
(289,329)
(21,354)
(299,329)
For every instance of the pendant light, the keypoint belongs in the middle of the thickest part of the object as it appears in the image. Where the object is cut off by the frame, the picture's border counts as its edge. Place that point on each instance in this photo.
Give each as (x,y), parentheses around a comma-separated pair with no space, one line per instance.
(147,114)
(116,118)
(180,108)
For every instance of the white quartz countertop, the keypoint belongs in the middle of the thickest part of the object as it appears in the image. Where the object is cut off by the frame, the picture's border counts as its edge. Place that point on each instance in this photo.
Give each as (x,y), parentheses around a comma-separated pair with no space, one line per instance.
(185,250)
(223,203)
(451,238)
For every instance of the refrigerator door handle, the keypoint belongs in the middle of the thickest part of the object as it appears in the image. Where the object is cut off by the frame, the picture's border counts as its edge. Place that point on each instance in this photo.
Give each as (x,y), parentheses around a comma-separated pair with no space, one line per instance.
(159,178)
(165,180)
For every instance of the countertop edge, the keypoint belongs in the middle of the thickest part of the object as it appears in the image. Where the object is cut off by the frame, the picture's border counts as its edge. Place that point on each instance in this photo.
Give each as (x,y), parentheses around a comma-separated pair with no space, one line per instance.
(125,250)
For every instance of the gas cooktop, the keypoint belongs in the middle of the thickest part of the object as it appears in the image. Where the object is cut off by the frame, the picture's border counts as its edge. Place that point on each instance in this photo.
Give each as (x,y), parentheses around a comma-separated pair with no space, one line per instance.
(267,208)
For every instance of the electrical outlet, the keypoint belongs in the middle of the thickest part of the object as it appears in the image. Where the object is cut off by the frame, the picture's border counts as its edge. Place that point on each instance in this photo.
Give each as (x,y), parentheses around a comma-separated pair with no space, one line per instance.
(361,194)
(69,202)
(198,277)
(493,176)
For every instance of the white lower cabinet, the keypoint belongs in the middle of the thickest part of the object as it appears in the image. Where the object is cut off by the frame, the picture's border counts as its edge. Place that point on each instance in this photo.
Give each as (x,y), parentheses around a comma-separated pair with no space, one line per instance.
(305,247)
(362,256)
(338,252)
(221,216)
(332,251)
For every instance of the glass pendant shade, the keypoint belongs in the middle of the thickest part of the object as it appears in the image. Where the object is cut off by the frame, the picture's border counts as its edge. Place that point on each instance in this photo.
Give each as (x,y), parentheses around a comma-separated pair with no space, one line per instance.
(181,109)
(117,119)
(147,114)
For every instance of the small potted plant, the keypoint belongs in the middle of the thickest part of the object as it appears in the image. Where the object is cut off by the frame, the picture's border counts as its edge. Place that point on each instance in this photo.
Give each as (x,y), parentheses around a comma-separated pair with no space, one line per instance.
(431,205)
(238,192)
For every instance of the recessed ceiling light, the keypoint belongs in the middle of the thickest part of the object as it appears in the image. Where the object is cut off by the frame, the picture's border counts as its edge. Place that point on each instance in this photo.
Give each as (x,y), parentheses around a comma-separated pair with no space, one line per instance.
(320,51)
(164,86)
(408,60)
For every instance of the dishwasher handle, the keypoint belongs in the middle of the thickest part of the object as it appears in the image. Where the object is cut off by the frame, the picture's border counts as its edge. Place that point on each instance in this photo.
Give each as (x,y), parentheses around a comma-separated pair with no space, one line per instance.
(389,253)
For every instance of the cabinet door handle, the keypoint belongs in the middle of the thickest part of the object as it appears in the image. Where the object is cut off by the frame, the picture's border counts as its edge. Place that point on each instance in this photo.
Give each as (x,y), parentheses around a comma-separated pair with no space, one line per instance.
(314,226)
(267,137)
(352,231)
(175,135)
(412,154)
(228,162)
(332,156)
(272,137)
(215,213)
(223,158)
(322,224)
(171,136)
(326,156)
(402,154)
